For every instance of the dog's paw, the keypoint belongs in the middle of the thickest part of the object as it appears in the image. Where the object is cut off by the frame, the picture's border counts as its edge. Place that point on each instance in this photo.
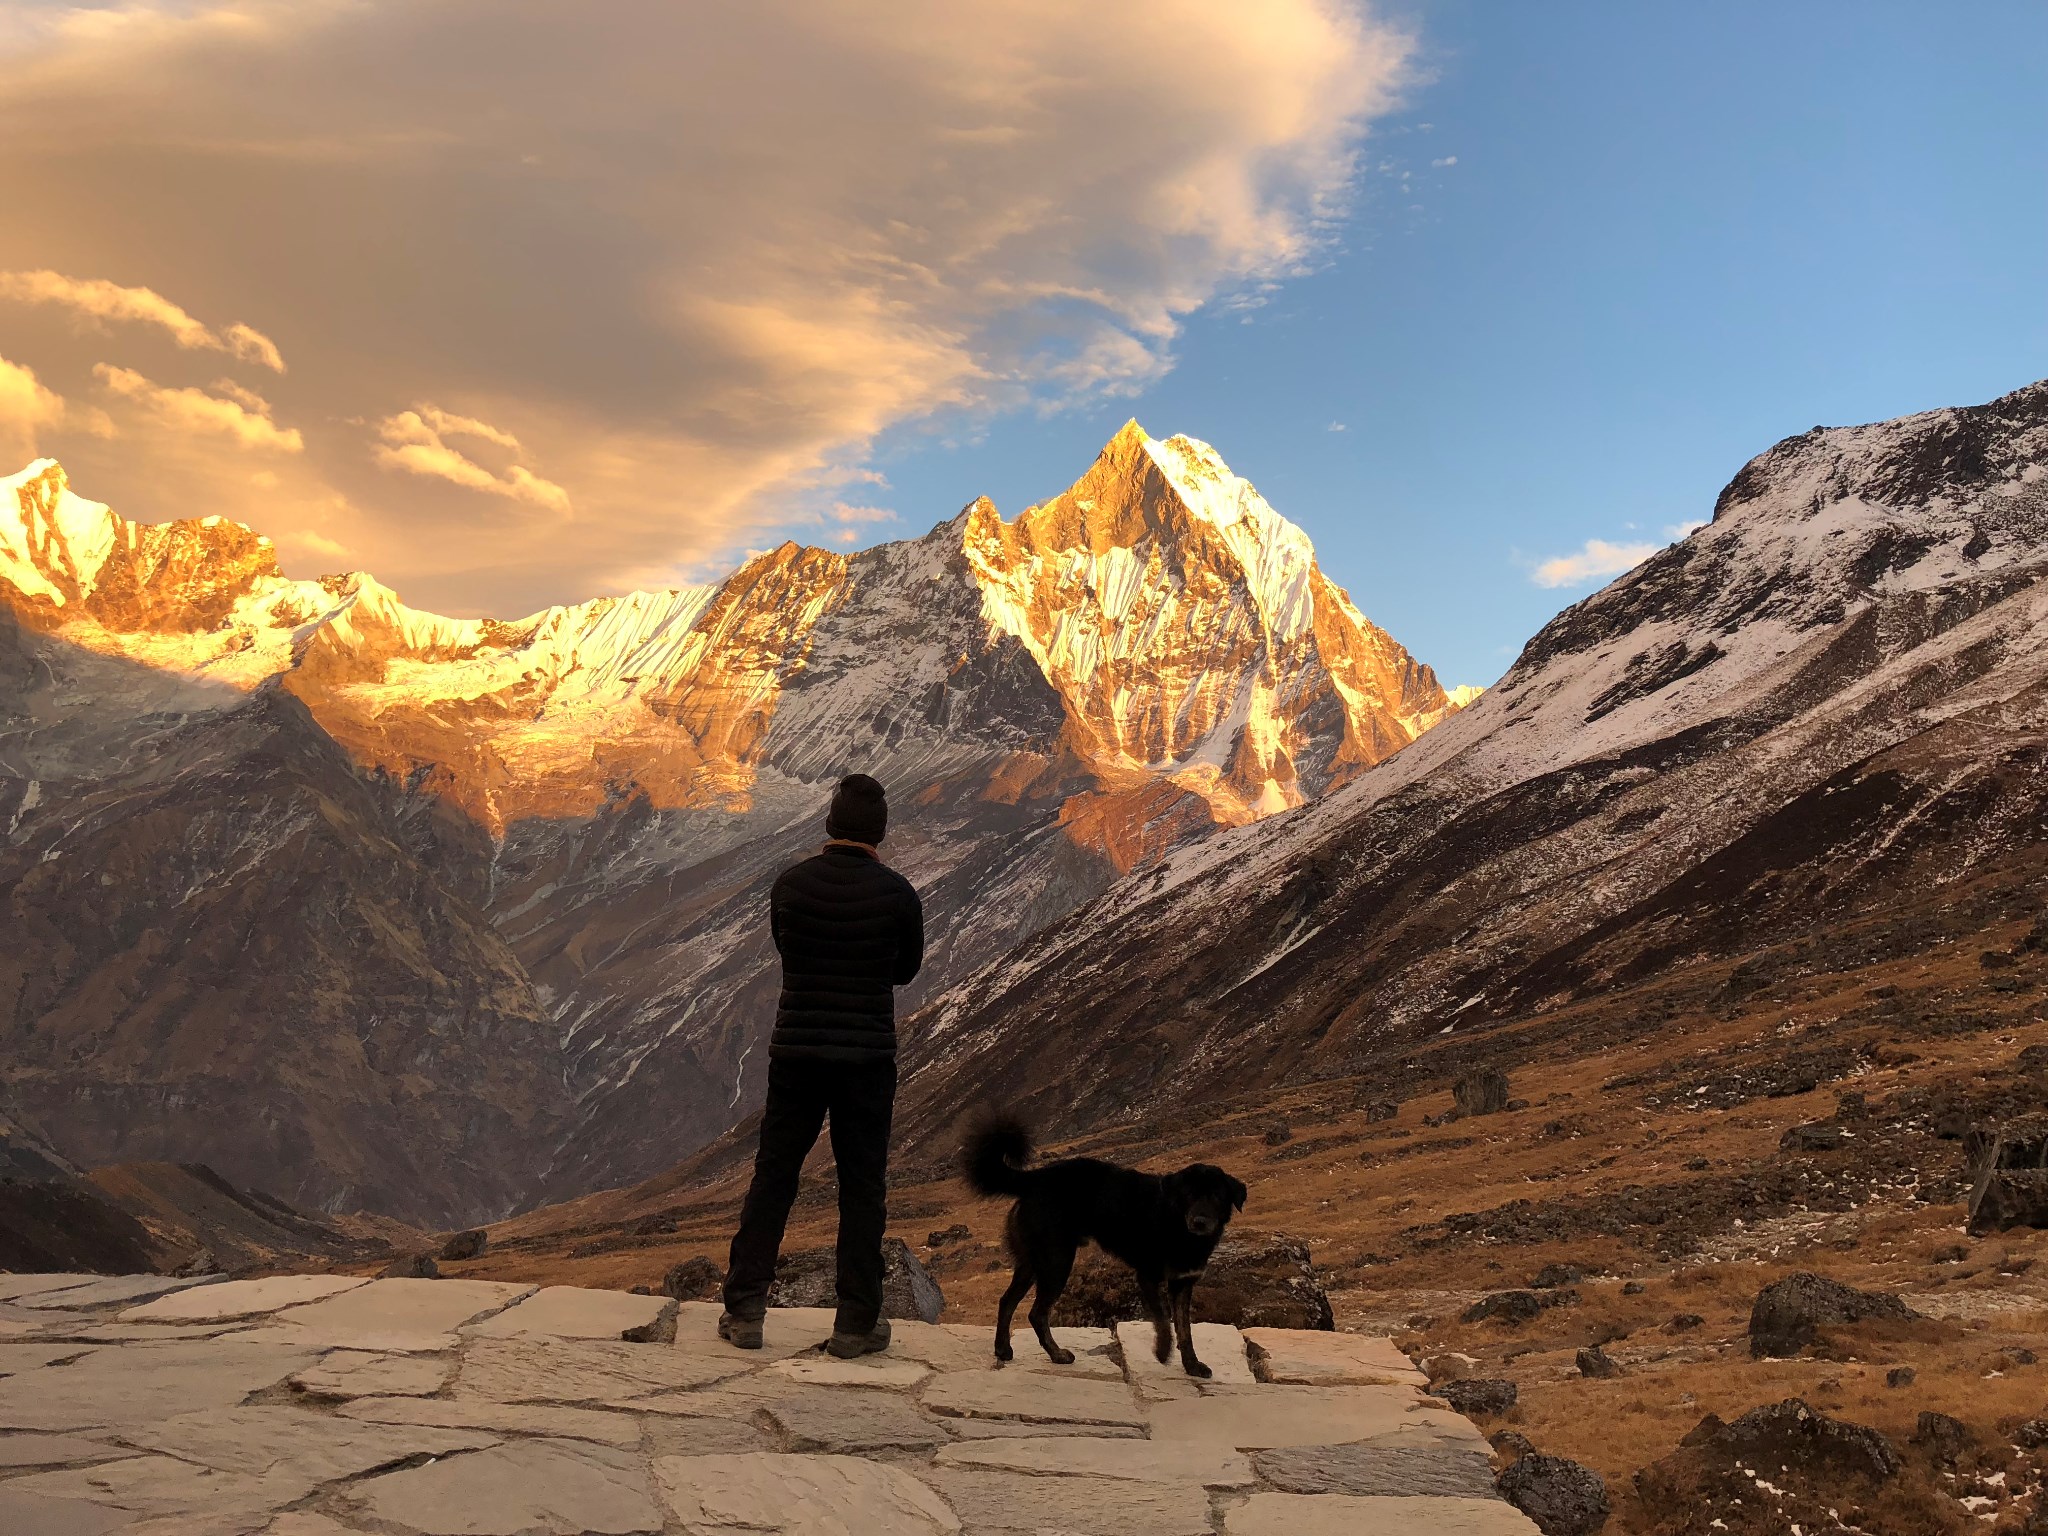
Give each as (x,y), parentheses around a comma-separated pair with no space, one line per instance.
(1195,1368)
(1162,1350)
(1003,1351)
(1062,1356)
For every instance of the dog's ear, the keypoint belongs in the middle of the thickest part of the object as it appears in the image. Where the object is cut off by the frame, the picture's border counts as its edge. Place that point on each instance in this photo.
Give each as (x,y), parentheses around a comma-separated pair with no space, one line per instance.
(1238,1193)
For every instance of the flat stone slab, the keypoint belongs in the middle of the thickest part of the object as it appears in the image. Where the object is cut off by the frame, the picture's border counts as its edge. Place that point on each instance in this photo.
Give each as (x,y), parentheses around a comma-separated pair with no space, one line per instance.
(1301,1358)
(868,1371)
(402,1314)
(618,1429)
(569,1312)
(143,1383)
(1295,1514)
(848,1419)
(542,1369)
(786,1331)
(294,1449)
(1260,1418)
(53,1451)
(16,1358)
(799,1495)
(1017,1429)
(534,1488)
(35,1514)
(158,1485)
(1138,1461)
(241,1298)
(17,1287)
(1008,1394)
(114,1291)
(989,1500)
(349,1373)
(1217,1345)
(1377,1470)
(942,1346)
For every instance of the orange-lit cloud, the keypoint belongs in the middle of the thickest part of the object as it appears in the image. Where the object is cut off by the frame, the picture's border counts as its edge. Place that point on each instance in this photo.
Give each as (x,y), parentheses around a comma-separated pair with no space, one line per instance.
(99,300)
(231,412)
(691,260)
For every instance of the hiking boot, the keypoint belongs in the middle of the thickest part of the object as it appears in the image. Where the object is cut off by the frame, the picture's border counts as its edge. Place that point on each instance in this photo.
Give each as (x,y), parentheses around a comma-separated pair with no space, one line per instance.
(851,1346)
(739,1332)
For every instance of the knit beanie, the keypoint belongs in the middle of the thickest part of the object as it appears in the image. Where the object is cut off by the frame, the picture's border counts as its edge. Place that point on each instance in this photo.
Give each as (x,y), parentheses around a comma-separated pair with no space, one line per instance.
(860,811)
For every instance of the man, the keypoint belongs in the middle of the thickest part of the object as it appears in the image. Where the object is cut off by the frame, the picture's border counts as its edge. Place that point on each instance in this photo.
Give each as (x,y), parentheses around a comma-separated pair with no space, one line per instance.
(850,930)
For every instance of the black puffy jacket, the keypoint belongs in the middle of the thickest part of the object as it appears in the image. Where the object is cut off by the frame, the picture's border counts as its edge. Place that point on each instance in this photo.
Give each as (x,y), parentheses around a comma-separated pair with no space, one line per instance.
(850,930)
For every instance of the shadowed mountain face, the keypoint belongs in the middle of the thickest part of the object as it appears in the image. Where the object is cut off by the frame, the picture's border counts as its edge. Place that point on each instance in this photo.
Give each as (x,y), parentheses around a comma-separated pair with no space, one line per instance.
(1829,700)
(367,906)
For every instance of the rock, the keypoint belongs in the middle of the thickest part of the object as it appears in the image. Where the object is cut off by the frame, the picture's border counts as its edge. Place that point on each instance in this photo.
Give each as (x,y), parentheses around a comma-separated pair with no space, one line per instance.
(1900,1376)
(1266,1282)
(1684,1322)
(655,1226)
(1507,1307)
(548,1370)
(698,1279)
(835,1419)
(143,1384)
(1296,1357)
(956,1233)
(1264,1417)
(466,1245)
(1942,1437)
(1553,1277)
(536,1488)
(2010,1186)
(397,1315)
(619,1429)
(1793,1433)
(1484,1092)
(347,1373)
(1478,1397)
(1814,1464)
(661,1329)
(994,1501)
(1332,1514)
(1817,1137)
(1278,1135)
(1783,1320)
(1563,1497)
(2031,1435)
(821,1370)
(413,1266)
(1381,1110)
(810,1279)
(570,1312)
(1013,1394)
(770,1492)
(1511,1443)
(240,1298)
(1368,1470)
(204,1263)
(1141,1461)
(1596,1364)
(1633,1288)
(1217,1345)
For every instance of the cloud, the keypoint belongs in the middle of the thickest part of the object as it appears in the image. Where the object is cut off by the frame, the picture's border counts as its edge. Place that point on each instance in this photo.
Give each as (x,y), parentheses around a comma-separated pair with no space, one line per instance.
(1336,426)
(233,412)
(1596,560)
(694,257)
(96,299)
(26,407)
(416,441)
(1440,164)
(849,520)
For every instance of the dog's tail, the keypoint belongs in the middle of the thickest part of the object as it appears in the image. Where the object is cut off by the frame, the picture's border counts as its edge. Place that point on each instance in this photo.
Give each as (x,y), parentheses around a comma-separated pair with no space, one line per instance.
(993,1156)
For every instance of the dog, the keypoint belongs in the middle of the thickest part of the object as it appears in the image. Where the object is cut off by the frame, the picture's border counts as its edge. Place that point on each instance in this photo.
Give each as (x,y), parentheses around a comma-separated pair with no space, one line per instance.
(1165,1226)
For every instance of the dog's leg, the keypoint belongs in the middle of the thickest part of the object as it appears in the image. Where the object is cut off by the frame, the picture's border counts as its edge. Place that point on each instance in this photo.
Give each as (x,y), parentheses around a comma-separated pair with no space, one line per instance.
(1020,1281)
(1052,1279)
(1183,1324)
(1154,1303)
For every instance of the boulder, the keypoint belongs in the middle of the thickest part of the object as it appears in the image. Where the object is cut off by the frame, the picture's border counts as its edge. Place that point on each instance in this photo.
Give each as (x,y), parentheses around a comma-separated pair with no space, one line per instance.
(1817,1466)
(1484,1092)
(1793,1434)
(466,1245)
(1900,1376)
(697,1279)
(1478,1396)
(2032,1435)
(413,1266)
(1553,1277)
(1563,1498)
(1511,1443)
(1942,1437)
(1820,1136)
(1596,1364)
(2010,1188)
(1266,1282)
(942,1236)
(810,1279)
(1787,1313)
(1507,1306)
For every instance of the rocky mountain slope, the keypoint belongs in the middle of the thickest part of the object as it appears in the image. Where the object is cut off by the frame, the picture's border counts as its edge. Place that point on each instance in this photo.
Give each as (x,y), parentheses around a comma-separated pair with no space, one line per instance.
(363,904)
(1829,699)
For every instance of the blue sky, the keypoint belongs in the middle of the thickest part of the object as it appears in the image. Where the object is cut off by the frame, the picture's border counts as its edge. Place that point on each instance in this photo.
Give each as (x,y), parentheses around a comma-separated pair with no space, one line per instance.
(1672,236)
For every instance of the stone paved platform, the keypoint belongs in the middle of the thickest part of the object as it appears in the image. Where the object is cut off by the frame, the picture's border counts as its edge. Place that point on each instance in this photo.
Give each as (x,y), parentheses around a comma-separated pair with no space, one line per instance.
(319,1405)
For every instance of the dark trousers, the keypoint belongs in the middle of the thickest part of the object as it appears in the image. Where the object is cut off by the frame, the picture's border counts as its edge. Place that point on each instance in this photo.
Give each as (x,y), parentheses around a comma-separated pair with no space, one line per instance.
(859,1099)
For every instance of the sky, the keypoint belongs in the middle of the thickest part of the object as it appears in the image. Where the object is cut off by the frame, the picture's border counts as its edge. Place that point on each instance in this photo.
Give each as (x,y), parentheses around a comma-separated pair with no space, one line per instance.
(516,303)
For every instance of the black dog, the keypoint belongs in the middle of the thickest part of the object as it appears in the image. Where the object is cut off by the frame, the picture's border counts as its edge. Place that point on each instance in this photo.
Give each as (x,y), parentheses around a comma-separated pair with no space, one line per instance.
(1163,1226)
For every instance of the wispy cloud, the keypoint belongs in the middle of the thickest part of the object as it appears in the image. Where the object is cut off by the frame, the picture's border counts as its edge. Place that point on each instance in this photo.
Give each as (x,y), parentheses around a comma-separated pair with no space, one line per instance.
(98,300)
(1599,559)
(416,441)
(232,411)
(1336,426)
